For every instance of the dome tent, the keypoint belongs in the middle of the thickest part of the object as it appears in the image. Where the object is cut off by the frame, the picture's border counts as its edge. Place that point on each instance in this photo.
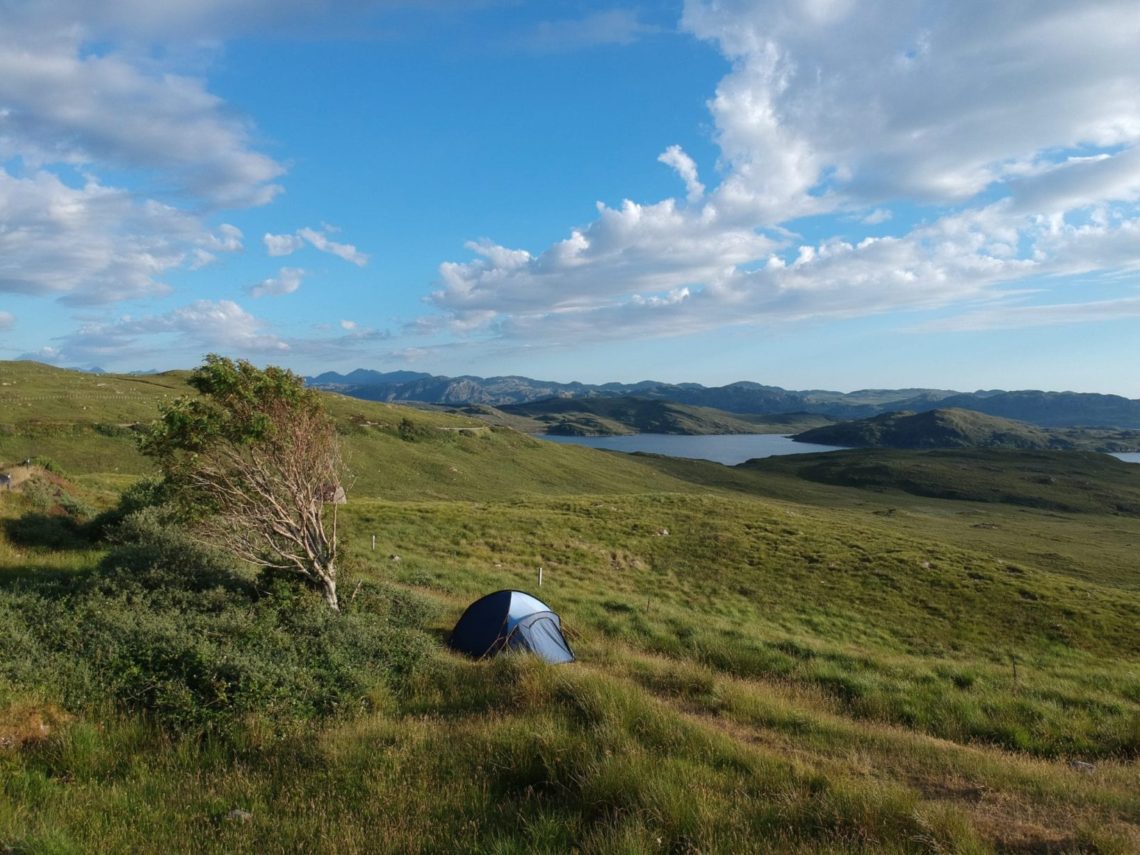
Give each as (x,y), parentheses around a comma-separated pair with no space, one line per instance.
(510,620)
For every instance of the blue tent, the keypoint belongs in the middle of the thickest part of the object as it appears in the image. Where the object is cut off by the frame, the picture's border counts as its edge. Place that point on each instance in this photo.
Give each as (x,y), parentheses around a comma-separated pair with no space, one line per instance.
(510,620)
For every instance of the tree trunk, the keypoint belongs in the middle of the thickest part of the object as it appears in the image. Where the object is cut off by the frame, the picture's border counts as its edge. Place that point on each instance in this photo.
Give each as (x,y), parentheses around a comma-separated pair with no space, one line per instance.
(328,588)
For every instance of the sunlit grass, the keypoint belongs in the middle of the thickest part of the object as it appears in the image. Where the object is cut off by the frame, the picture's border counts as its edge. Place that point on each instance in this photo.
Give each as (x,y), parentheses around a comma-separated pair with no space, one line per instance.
(765,664)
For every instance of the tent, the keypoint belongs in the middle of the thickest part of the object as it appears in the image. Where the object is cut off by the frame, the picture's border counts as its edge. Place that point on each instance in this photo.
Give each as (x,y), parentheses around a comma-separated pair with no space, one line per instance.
(510,620)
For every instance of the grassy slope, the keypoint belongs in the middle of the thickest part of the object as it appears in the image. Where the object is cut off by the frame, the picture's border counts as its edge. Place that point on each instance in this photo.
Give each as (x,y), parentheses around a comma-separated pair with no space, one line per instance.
(957,428)
(623,415)
(794,665)
(949,428)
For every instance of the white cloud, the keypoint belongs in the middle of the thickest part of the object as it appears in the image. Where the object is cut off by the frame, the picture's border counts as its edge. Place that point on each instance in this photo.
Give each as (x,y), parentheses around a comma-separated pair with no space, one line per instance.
(65,106)
(933,102)
(277,245)
(1013,128)
(675,157)
(7,321)
(287,281)
(94,244)
(636,248)
(348,325)
(341,250)
(50,355)
(197,328)
(77,104)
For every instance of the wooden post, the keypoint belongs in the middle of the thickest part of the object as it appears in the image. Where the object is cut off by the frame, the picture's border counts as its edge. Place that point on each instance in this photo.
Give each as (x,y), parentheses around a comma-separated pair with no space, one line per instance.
(373,543)
(540,577)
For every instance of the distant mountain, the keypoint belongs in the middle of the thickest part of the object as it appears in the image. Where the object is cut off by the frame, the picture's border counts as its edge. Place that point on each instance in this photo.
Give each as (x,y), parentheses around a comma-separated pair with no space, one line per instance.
(1044,409)
(365,377)
(1053,409)
(957,428)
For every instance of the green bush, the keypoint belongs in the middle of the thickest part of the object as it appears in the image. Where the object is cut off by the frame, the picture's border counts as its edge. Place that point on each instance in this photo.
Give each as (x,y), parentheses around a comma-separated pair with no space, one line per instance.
(51,531)
(167,628)
(142,494)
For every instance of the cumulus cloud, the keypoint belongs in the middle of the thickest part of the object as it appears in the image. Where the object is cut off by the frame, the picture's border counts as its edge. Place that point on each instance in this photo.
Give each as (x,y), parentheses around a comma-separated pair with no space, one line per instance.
(184,334)
(874,101)
(686,168)
(627,249)
(50,355)
(65,106)
(7,321)
(199,327)
(94,244)
(77,105)
(287,280)
(278,245)
(1013,128)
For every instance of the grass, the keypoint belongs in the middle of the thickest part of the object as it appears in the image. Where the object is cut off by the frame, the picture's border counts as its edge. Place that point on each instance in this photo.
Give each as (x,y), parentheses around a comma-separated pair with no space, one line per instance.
(768,661)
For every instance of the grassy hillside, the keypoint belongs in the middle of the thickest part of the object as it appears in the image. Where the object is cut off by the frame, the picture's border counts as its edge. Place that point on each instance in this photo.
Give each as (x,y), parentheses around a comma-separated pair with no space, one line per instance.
(86,424)
(1077,482)
(610,416)
(768,660)
(957,428)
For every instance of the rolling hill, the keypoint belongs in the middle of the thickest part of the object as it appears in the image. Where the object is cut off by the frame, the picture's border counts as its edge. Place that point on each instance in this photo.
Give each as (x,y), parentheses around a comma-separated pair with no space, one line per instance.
(602,416)
(866,651)
(1046,409)
(954,428)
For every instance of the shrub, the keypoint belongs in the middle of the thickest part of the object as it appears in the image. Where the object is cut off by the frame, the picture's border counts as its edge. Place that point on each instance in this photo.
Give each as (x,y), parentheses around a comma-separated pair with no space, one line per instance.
(167,628)
(142,494)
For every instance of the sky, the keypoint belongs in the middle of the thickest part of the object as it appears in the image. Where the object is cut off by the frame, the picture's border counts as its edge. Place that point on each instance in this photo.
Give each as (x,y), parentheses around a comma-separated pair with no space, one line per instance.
(805,193)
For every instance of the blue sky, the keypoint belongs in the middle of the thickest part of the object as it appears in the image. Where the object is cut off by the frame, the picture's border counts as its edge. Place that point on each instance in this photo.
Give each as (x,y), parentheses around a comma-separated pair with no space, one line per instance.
(810,193)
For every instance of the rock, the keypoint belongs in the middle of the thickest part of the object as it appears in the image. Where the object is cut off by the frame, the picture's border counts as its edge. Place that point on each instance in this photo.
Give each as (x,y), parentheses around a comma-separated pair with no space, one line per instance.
(662,532)
(239,815)
(1082,766)
(393,557)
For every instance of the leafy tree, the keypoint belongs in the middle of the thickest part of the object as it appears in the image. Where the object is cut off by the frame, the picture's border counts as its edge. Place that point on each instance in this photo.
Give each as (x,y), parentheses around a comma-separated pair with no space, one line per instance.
(252,462)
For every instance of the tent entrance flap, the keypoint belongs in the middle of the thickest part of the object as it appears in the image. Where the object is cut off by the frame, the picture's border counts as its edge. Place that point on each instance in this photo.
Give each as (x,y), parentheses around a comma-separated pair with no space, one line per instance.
(542,635)
(514,620)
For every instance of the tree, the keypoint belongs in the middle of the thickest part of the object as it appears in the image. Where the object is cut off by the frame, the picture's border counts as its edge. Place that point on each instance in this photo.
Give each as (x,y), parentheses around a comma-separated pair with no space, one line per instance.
(252,461)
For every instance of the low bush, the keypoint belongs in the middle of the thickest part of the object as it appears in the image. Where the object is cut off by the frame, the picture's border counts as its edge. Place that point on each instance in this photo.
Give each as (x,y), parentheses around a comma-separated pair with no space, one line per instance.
(167,628)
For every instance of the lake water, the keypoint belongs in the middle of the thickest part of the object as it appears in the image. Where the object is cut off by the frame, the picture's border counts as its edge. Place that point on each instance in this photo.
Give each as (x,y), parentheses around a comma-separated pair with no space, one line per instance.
(729,449)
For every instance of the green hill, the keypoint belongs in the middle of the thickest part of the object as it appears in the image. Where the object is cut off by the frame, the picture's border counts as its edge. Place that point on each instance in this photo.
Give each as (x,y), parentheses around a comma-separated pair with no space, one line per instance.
(956,428)
(608,416)
(85,423)
(1075,482)
(795,655)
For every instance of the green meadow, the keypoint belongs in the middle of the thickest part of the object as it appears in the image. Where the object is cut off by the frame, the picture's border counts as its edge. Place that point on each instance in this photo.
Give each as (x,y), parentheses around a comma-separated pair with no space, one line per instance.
(867,651)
